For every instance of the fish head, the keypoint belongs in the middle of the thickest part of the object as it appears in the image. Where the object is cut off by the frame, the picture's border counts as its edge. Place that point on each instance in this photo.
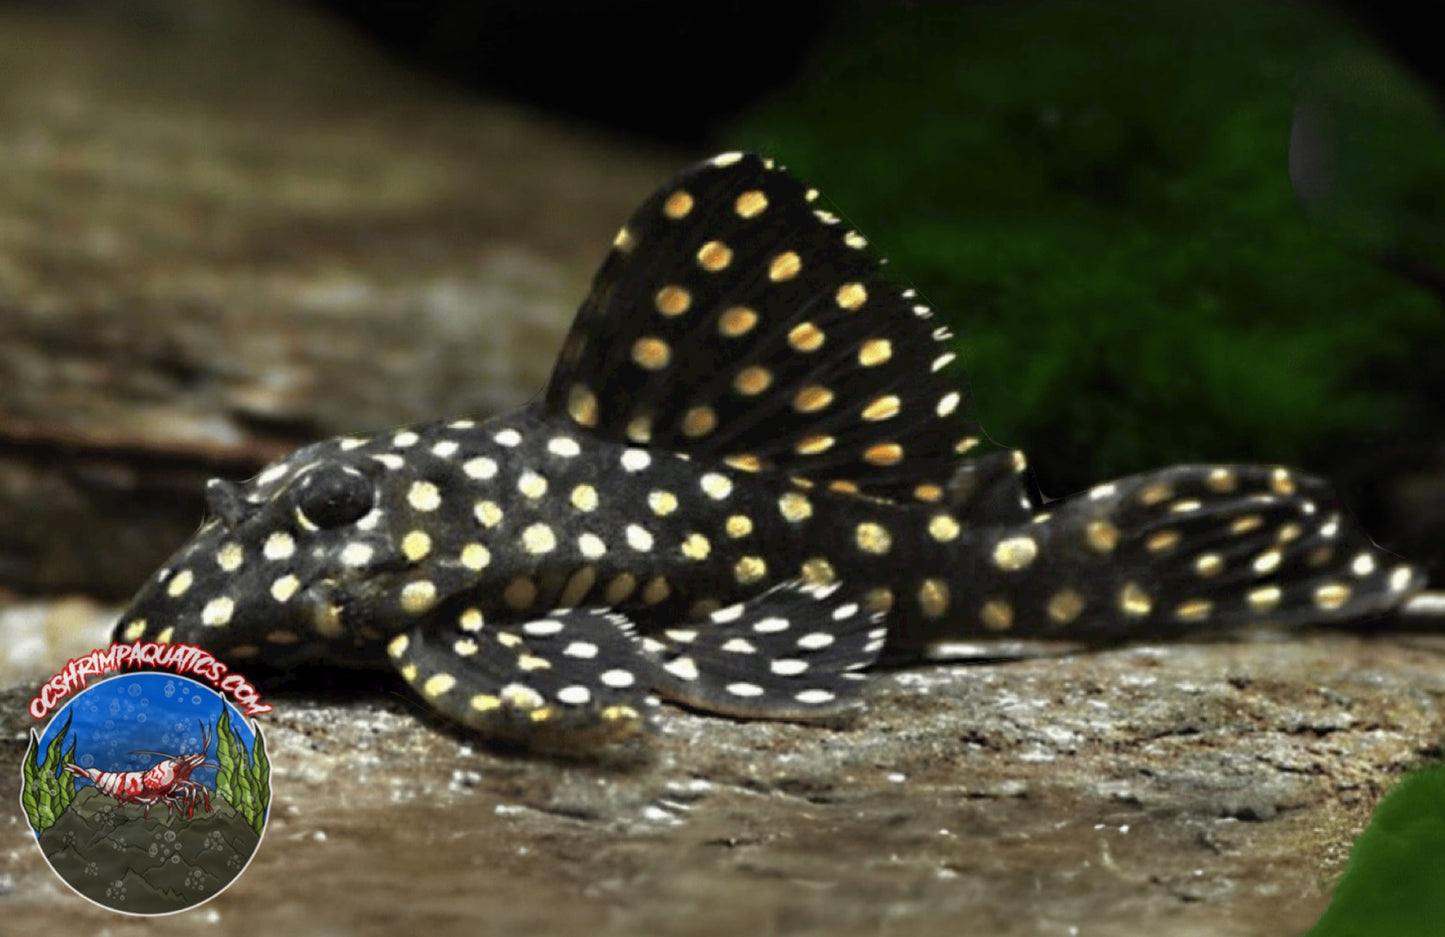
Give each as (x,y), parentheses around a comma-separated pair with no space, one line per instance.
(315,558)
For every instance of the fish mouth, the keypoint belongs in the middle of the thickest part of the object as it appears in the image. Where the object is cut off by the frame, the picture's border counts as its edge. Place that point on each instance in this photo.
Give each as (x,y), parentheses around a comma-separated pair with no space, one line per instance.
(324,607)
(327,624)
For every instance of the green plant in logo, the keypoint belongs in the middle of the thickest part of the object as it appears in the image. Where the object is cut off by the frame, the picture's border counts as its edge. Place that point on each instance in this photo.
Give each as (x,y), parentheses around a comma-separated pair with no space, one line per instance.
(47,790)
(244,778)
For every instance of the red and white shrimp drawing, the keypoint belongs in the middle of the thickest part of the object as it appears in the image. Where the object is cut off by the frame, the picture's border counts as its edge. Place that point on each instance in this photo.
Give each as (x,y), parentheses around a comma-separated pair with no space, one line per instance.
(168,782)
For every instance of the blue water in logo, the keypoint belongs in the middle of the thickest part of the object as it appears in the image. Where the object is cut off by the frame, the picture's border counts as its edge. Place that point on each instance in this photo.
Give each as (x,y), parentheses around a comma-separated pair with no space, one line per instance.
(149,711)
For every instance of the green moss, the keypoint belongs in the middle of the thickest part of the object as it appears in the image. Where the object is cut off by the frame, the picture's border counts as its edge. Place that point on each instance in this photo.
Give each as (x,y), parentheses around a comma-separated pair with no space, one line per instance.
(1097,196)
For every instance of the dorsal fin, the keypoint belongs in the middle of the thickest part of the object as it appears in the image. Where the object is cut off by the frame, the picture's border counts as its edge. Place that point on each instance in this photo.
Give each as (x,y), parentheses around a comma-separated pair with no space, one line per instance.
(992,489)
(734,319)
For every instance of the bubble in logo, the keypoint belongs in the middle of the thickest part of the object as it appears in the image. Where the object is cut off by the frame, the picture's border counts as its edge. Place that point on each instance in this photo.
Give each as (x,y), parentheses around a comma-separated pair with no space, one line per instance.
(148,793)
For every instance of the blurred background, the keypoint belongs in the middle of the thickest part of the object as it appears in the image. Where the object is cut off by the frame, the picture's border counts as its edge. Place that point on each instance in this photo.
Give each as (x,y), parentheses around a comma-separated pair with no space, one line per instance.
(1174,231)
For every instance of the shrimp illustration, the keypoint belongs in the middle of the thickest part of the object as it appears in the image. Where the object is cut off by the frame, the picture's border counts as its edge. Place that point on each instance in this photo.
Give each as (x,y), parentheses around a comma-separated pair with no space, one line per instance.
(167,782)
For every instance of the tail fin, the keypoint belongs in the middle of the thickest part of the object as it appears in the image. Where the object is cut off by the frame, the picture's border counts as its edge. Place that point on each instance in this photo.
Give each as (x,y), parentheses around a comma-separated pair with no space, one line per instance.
(1164,552)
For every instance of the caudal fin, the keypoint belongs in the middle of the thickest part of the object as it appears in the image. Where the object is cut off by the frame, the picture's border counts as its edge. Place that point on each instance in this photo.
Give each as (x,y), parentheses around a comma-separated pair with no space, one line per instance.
(1164,553)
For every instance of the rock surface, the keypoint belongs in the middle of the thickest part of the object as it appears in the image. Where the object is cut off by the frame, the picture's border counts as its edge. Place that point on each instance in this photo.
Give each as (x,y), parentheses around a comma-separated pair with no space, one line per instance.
(1193,790)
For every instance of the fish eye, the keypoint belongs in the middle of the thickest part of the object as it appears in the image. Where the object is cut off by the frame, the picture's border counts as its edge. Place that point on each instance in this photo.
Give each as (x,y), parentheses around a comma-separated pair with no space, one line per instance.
(334,495)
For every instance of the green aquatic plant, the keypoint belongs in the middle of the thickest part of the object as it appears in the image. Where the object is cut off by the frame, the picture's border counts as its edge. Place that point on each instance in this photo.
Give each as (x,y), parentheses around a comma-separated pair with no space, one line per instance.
(1098,197)
(1394,883)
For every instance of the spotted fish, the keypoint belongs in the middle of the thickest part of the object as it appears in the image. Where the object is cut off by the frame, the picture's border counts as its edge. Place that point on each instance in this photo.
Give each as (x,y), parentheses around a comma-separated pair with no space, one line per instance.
(753,474)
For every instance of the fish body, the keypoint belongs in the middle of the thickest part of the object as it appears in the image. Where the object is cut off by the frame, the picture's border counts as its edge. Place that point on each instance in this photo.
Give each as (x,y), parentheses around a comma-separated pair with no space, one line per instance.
(753,474)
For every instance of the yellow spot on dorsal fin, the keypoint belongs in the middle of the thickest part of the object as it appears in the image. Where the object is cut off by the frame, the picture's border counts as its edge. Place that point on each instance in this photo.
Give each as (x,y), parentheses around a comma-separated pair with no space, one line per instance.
(678,204)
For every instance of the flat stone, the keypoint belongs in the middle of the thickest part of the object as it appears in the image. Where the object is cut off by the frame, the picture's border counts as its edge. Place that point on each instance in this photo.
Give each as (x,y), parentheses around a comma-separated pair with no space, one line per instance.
(1206,789)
